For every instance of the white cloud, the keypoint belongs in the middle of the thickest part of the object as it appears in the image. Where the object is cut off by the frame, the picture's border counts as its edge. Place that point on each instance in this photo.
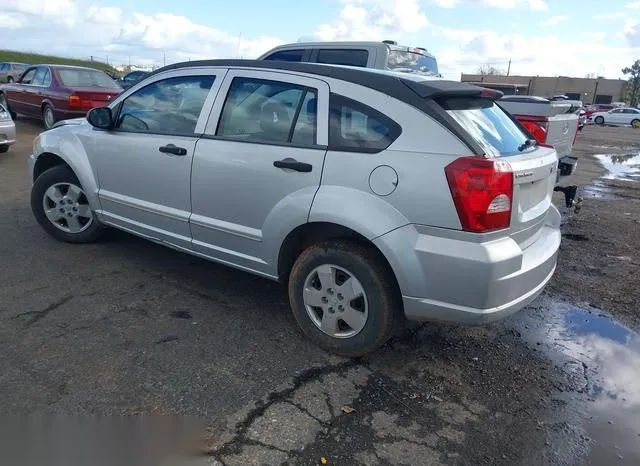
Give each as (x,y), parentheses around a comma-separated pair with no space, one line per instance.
(553,21)
(614,15)
(633,5)
(446,3)
(464,50)
(535,5)
(595,35)
(373,20)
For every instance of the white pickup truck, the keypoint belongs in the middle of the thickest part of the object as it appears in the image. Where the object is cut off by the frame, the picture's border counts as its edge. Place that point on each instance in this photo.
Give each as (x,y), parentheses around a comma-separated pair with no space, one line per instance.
(550,122)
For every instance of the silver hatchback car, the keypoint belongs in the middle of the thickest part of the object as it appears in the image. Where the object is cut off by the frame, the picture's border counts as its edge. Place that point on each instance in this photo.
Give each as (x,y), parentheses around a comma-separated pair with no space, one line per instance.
(373,196)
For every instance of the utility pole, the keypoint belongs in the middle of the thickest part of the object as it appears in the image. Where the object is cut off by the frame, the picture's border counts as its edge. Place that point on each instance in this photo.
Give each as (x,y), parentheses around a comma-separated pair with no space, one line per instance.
(164,59)
(509,67)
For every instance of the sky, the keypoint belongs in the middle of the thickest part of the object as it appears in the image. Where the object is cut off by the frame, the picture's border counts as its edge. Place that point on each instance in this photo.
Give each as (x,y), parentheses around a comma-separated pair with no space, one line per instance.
(541,37)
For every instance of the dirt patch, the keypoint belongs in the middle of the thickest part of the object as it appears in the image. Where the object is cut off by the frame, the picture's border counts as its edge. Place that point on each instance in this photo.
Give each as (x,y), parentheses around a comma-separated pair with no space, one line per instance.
(599,261)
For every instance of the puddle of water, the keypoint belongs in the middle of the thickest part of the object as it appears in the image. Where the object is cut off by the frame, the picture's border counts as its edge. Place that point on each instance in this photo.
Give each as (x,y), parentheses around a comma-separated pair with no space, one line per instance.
(600,359)
(621,166)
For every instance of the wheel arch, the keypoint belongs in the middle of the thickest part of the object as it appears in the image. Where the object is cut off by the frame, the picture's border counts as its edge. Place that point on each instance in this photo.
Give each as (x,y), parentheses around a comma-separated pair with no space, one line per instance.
(311,233)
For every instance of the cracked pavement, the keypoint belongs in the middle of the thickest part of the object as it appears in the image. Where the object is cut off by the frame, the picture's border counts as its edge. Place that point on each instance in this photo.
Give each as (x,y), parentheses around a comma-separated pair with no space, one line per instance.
(127,327)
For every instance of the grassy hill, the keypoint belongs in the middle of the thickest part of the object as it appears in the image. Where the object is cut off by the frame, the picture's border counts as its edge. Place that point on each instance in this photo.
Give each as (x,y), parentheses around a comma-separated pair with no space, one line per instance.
(34,59)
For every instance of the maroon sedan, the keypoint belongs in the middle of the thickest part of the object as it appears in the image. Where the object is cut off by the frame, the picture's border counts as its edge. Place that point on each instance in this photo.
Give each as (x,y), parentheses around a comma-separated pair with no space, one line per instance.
(57,92)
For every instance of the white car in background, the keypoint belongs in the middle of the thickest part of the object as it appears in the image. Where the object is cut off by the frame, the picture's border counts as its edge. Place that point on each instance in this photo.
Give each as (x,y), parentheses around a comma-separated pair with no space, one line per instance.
(7,130)
(627,116)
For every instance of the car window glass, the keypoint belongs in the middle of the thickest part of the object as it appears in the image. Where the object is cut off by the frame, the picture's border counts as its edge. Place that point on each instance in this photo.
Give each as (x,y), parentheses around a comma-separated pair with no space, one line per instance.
(266,111)
(38,79)
(170,106)
(350,57)
(304,132)
(4,67)
(81,77)
(354,126)
(286,55)
(28,76)
(46,81)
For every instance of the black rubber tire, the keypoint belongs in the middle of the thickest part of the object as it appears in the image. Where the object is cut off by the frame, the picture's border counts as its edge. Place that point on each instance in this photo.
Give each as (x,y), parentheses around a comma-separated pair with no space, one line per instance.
(45,109)
(4,149)
(60,174)
(599,120)
(9,79)
(385,304)
(635,123)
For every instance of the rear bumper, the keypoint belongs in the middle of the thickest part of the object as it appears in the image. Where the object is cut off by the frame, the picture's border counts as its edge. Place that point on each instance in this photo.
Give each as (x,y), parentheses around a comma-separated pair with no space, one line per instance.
(7,133)
(472,283)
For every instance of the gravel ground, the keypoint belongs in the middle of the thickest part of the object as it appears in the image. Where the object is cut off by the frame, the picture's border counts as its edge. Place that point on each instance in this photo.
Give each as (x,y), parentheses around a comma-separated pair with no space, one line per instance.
(129,327)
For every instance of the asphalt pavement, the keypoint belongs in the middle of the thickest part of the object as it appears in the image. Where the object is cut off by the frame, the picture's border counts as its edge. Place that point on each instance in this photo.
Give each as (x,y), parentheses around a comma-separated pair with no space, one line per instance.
(128,327)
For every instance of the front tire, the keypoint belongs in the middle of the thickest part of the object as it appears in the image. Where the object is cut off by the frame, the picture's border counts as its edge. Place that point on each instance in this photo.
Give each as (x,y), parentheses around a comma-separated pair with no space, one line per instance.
(635,124)
(61,207)
(9,79)
(599,120)
(4,149)
(48,116)
(344,297)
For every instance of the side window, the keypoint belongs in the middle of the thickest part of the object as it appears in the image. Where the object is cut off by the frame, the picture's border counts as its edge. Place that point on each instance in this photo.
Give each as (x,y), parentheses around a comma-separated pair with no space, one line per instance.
(287,55)
(258,110)
(350,57)
(170,106)
(4,67)
(46,81)
(356,127)
(28,76)
(38,79)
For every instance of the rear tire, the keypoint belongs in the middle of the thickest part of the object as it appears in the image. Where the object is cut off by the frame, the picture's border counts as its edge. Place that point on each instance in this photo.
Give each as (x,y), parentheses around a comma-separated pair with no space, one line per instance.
(61,207)
(354,308)
(599,120)
(10,79)
(48,116)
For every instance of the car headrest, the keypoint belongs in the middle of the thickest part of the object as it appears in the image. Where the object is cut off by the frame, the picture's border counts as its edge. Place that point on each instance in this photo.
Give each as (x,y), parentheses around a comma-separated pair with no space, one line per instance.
(275,118)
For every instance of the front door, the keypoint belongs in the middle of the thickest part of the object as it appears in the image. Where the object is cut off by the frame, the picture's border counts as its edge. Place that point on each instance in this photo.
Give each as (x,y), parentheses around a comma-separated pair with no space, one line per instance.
(144,164)
(258,166)
(17,95)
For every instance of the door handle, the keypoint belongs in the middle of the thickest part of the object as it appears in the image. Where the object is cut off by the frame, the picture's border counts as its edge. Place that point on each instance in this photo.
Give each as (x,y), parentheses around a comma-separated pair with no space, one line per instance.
(171,149)
(293,164)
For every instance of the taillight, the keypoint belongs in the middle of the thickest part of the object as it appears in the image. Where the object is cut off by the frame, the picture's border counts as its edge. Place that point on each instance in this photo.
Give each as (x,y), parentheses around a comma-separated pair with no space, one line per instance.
(537,126)
(482,191)
(75,101)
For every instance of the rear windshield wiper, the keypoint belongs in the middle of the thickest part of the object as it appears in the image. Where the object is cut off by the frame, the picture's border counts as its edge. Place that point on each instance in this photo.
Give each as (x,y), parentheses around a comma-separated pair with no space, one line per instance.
(527,143)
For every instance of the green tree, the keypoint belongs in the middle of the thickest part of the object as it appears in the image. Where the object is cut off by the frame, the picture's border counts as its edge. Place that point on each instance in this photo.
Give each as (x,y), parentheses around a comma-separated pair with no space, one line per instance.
(633,88)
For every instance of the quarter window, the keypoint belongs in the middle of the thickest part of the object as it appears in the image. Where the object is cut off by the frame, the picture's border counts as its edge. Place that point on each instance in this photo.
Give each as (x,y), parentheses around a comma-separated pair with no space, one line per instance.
(170,106)
(349,57)
(356,127)
(287,55)
(258,110)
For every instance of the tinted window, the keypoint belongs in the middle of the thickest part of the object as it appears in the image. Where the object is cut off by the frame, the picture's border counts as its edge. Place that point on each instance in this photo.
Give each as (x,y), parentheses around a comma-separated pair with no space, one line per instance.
(350,57)
(269,111)
(170,106)
(4,66)
(399,60)
(487,123)
(38,79)
(28,76)
(287,55)
(354,126)
(70,77)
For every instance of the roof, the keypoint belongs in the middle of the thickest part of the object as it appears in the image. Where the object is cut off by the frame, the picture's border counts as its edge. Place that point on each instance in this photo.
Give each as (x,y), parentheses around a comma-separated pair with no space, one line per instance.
(65,67)
(402,86)
(347,43)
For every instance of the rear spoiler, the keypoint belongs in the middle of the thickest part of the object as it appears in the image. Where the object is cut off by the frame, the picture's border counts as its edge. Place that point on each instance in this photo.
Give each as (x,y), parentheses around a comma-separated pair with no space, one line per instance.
(434,89)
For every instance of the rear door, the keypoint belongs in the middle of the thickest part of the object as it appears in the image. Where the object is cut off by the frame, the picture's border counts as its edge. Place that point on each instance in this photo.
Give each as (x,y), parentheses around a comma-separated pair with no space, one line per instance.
(534,167)
(258,166)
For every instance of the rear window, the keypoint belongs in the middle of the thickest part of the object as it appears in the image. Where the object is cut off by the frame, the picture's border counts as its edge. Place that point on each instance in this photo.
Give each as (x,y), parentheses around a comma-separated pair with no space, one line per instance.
(347,57)
(85,78)
(487,123)
(399,60)
(287,55)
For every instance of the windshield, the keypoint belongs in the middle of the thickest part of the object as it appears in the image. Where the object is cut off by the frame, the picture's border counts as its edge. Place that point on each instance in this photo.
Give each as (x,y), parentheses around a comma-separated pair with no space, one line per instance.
(488,124)
(85,78)
(400,60)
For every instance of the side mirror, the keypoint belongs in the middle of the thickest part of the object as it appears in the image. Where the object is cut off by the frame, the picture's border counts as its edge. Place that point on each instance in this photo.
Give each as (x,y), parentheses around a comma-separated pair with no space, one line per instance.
(100,117)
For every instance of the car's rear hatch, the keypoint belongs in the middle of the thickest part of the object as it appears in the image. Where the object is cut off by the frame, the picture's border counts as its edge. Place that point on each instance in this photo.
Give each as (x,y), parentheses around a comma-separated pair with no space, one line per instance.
(531,168)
